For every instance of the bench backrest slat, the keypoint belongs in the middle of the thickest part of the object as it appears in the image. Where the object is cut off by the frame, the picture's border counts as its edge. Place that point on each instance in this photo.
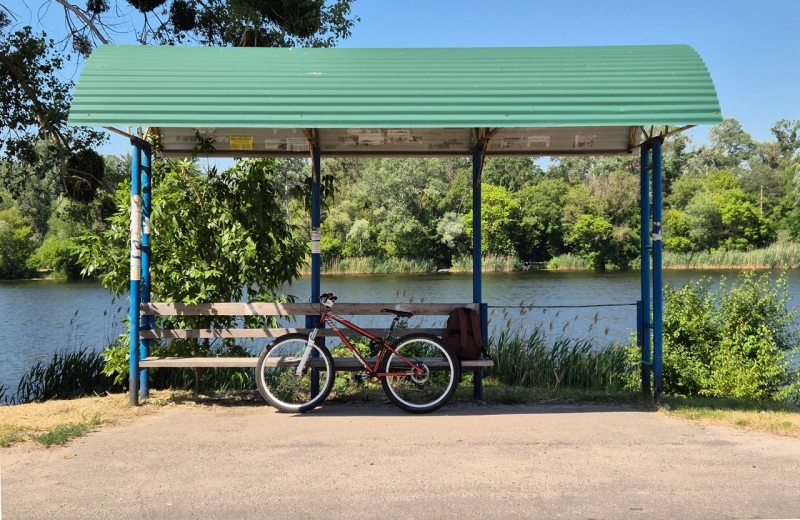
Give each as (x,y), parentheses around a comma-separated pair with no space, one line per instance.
(268,333)
(296,309)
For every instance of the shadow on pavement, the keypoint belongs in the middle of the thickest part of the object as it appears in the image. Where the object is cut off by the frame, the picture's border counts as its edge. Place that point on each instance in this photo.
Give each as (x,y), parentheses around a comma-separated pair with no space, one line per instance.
(376,408)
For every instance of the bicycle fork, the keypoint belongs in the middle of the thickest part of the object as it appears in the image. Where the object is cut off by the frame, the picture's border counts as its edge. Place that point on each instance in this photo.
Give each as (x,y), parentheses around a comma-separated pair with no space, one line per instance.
(310,344)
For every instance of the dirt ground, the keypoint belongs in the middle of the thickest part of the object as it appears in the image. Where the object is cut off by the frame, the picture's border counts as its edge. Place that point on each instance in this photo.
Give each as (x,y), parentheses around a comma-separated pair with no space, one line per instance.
(374,461)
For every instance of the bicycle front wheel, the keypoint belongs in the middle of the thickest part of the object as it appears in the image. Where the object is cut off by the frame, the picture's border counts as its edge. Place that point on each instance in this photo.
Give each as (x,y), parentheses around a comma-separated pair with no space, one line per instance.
(280,384)
(420,392)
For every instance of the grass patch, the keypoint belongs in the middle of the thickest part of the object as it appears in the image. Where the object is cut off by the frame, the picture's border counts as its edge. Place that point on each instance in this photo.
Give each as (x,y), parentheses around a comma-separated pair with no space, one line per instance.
(64,432)
(54,422)
(11,434)
(769,416)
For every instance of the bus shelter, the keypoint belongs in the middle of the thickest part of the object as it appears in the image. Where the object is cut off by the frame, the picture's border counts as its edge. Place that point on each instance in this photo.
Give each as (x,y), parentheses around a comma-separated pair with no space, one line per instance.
(473,102)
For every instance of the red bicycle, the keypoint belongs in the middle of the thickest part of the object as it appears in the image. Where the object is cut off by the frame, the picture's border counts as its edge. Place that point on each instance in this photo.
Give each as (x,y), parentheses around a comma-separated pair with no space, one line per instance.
(418,372)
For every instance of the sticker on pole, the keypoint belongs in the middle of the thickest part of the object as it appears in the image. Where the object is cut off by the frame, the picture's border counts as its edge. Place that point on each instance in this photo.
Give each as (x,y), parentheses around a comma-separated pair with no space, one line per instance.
(241,142)
(315,246)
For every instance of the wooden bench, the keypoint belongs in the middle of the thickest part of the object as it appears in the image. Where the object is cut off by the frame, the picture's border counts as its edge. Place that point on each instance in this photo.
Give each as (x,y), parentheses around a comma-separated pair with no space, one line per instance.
(286,310)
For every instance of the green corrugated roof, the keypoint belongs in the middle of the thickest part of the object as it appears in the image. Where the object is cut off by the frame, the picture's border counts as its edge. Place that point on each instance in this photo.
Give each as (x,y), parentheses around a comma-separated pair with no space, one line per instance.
(190,87)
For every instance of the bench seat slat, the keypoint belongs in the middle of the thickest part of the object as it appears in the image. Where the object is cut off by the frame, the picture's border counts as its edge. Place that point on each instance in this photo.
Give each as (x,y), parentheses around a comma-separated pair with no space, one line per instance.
(344,364)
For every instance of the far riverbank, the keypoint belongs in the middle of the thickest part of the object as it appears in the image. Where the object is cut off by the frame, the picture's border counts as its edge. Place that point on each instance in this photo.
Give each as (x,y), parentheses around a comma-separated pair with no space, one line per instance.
(778,256)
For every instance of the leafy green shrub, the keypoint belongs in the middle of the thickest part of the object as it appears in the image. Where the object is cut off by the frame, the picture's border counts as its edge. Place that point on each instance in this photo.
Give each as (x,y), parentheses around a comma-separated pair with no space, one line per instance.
(117,366)
(217,237)
(58,255)
(730,343)
(16,244)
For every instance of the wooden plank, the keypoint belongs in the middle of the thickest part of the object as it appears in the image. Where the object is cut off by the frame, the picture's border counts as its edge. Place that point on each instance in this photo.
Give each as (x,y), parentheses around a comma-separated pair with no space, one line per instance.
(346,364)
(294,309)
(223,309)
(207,362)
(269,333)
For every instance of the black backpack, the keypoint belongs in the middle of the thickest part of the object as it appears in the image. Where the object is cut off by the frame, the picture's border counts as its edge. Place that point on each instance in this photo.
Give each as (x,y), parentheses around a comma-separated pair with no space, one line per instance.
(463,334)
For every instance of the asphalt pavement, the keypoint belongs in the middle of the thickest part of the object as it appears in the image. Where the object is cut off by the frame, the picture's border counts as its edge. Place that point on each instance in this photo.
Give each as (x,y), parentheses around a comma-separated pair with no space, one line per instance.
(374,461)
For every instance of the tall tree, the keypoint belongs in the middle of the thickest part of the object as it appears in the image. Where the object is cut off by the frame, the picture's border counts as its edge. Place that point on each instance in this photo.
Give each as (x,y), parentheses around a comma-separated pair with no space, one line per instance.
(35,99)
(34,104)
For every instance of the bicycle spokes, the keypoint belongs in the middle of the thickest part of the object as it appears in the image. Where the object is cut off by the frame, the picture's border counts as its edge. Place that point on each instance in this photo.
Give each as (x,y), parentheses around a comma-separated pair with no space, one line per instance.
(425,379)
(287,387)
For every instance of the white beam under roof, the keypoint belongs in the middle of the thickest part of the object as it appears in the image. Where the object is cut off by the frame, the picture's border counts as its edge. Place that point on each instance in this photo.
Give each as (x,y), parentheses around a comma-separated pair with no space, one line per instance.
(405,142)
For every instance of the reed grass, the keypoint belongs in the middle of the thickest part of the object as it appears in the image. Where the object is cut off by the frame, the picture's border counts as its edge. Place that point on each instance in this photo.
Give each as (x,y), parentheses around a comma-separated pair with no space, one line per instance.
(534,362)
(374,265)
(780,255)
(569,262)
(69,374)
(490,264)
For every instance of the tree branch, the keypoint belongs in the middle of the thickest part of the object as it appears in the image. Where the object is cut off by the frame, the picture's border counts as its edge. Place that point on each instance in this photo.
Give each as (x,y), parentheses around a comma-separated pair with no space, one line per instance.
(44,123)
(80,14)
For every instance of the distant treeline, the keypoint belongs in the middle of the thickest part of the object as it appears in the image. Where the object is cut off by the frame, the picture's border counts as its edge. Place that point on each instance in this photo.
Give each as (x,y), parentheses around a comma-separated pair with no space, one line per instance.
(721,199)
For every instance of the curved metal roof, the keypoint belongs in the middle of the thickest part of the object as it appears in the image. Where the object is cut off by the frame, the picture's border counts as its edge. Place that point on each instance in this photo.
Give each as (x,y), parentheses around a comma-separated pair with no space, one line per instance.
(520,101)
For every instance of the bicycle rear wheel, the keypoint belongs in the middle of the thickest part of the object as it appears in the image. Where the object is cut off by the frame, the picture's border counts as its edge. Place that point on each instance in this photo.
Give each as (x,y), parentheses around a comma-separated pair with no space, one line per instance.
(277,378)
(424,392)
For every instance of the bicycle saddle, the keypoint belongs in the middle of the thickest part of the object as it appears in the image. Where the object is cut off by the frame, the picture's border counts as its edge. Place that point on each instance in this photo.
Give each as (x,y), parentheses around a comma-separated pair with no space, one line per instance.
(399,314)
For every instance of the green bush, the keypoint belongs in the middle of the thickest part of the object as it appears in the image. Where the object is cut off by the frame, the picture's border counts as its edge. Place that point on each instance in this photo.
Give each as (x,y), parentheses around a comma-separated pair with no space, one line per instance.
(58,255)
(730,343)
(117,365)
(16,245)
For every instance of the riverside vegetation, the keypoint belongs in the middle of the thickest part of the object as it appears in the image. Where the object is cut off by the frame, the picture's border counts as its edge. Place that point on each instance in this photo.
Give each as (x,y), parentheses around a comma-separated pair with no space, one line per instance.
(728,359)
(63,210)
(733,202)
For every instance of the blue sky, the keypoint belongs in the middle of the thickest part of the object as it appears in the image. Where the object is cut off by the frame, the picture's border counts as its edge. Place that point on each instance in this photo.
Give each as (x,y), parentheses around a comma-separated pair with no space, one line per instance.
(752,49)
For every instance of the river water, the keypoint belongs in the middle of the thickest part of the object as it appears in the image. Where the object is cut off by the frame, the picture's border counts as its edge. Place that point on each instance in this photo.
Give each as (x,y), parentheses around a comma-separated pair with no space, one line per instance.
(40,317)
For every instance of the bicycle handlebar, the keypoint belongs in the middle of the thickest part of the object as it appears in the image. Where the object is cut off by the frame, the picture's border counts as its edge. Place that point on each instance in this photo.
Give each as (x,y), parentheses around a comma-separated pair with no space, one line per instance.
(327,299)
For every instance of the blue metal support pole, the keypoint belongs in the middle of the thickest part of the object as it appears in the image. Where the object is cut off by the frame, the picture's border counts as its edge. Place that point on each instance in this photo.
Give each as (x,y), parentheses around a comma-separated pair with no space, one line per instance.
(146,323)
(477,282)
(136,269)
(639,323)
(477,293)
(658,284)
(646,328)
(316,263)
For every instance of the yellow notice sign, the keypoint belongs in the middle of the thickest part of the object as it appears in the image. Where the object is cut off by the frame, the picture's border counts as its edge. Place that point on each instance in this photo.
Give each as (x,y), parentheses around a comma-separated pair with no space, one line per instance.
(241,142)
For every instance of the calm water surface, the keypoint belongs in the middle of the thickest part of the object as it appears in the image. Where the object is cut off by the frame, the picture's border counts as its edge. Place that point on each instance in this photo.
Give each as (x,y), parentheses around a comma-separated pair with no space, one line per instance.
(39,317)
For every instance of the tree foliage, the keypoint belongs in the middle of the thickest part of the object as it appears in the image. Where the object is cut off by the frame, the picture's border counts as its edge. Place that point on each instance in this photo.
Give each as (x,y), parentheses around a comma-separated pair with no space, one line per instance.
(733,342)
(34,103)
(216,237)
(16,245)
